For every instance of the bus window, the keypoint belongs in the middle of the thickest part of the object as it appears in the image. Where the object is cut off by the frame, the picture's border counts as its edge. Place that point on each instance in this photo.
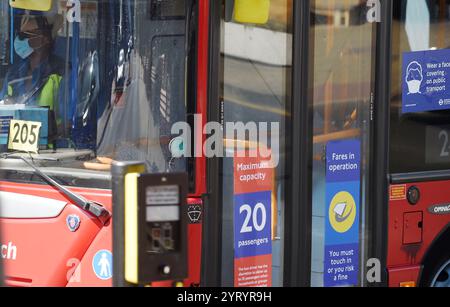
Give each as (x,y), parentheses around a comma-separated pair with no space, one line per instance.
(420,102)
(255,77)
(4,46)
(106,80)
(343,52)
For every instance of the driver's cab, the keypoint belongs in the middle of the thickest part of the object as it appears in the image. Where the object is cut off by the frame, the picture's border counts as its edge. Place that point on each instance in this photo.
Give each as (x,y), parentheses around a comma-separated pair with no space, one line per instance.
(99,80)
(106,80)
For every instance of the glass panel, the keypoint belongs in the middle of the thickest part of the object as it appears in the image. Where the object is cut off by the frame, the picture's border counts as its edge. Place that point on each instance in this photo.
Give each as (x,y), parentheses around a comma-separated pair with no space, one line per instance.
(420,116)
(343,52)
(108,87)
(256,69)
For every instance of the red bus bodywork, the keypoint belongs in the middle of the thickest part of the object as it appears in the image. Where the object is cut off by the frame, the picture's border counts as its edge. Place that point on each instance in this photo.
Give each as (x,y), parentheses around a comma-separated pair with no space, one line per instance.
(49,254)
(414,229)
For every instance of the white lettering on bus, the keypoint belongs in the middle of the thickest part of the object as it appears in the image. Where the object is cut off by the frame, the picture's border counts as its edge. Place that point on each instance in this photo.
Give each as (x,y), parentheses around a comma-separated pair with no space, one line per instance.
(8,251)
(442,209)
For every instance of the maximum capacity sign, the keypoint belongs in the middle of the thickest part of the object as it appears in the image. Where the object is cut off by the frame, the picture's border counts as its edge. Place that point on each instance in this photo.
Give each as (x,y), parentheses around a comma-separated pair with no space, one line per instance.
(253,184)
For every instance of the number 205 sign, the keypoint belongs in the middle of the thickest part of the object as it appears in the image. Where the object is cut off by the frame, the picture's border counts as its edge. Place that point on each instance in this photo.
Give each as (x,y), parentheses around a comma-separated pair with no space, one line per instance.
(24,136)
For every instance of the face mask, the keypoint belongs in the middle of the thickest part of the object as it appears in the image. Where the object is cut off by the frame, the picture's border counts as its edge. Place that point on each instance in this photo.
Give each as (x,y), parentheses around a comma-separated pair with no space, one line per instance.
(414,86)
(22,47)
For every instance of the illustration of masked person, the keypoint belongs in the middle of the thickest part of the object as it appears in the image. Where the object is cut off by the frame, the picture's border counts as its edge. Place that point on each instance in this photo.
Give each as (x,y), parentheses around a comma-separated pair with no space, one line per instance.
(414,77)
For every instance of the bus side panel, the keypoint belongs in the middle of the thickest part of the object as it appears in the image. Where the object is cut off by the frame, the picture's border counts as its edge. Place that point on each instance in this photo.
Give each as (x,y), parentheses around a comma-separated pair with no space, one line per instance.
(45,247)
(413,228)
(83,274)
(102,197)
(398,276)
(103,240)
(194,245)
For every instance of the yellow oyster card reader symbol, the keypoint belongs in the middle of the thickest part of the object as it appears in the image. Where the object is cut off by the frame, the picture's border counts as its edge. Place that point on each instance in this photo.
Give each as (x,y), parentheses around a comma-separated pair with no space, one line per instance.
(342,212)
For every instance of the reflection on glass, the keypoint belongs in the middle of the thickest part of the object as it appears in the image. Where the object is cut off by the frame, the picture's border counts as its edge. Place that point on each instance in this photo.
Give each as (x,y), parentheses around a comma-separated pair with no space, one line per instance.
(421,136)
(107,88)
(343,53)
(256,63)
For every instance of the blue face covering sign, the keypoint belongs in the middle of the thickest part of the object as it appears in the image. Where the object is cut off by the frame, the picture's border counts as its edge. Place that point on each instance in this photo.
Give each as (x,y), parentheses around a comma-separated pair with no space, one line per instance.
(426,81)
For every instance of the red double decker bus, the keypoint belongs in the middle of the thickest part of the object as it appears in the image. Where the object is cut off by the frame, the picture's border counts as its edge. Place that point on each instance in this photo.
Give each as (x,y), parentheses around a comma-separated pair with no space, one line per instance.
(106,80)
(350,98)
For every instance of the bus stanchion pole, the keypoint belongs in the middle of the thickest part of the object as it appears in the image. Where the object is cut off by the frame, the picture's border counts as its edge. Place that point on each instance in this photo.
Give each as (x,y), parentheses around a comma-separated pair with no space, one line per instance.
(118,172)
(1,273)
(1,264)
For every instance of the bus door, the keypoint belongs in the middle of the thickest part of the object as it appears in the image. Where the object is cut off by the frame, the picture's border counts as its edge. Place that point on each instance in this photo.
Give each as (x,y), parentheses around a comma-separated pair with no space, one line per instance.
(419,211)
(99,81)
(293,203)
(253,59)
(343,78)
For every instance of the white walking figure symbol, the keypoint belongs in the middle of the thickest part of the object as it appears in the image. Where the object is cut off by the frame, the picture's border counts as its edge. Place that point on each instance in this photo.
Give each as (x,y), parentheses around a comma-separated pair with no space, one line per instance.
(105,266)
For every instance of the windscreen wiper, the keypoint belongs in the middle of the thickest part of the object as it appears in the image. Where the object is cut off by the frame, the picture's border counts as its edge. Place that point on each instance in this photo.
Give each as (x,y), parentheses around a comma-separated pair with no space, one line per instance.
(93,208)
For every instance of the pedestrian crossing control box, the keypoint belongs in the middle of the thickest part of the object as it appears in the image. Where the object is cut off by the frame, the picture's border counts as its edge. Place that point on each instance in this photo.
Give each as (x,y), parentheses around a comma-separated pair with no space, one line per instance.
(155,227)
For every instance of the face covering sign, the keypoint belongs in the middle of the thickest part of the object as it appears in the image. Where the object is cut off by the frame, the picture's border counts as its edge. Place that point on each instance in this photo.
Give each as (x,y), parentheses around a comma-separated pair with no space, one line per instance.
(426,81)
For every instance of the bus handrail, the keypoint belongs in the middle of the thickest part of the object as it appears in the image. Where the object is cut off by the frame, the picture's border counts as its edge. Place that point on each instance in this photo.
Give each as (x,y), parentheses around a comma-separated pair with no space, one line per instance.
(428,176)
(333,136)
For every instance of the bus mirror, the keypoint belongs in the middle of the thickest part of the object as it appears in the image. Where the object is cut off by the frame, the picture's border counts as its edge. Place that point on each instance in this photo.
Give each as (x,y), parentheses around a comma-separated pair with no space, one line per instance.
(32,5)
(252,11)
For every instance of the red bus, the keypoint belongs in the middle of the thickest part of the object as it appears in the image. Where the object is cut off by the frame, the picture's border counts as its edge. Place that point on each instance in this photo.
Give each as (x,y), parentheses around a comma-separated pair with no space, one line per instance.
(352,94)
(106,80)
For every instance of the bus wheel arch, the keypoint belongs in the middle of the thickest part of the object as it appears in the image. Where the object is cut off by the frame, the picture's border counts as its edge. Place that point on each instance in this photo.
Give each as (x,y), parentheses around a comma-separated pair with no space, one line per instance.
(437,255)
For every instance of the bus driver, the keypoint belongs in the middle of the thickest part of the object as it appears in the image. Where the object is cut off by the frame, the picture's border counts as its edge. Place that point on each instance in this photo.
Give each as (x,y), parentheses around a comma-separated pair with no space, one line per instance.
(35,79)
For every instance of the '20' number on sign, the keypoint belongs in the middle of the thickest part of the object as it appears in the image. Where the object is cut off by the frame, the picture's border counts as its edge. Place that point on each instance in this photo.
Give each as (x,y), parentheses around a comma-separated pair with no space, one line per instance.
(258,217)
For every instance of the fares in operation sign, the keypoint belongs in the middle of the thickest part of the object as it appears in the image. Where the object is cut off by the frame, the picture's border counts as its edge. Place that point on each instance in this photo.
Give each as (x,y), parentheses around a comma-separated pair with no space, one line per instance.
(253,181)
(343,182)
(426,81)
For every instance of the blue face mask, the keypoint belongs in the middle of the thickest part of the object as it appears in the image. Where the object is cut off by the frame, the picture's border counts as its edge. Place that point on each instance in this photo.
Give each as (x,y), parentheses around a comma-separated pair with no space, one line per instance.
(23,48)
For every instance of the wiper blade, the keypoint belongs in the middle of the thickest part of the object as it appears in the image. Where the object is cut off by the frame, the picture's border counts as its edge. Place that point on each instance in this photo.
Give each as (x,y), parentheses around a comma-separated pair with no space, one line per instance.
(92,207)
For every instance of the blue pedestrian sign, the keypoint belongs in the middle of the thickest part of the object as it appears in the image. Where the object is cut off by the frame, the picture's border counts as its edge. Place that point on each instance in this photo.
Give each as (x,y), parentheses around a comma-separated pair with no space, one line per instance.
(102,264)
